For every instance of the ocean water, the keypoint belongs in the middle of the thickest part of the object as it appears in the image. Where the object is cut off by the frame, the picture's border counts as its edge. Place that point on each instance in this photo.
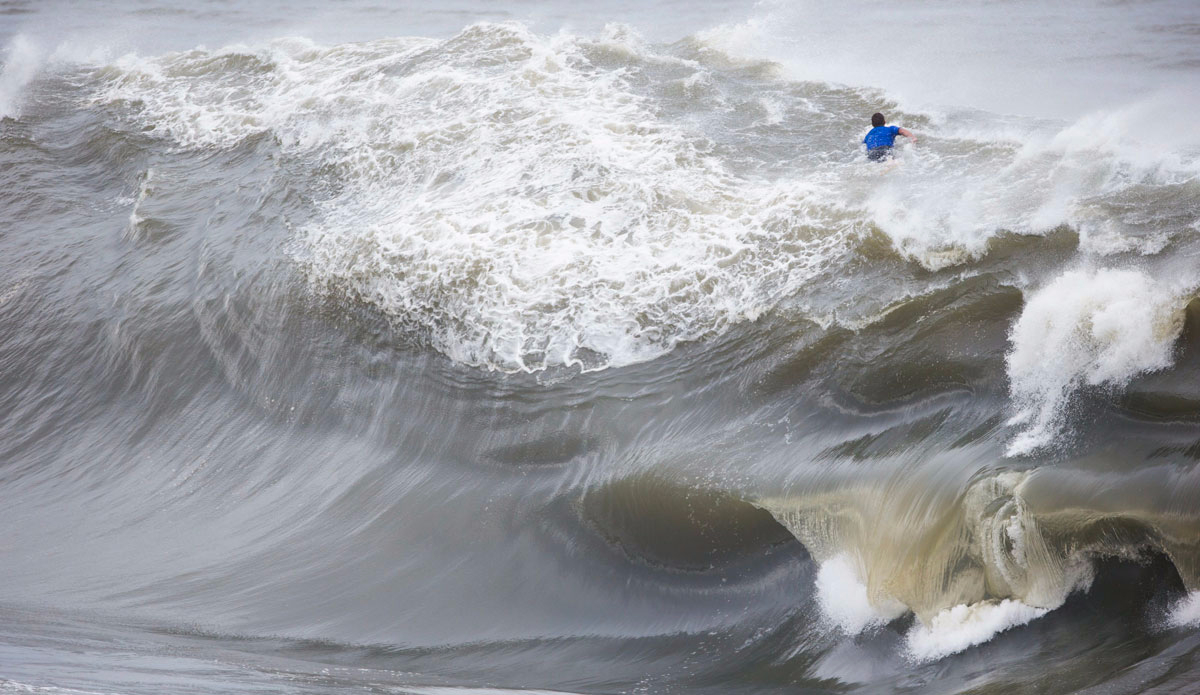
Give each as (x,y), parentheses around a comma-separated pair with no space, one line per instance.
(479,348)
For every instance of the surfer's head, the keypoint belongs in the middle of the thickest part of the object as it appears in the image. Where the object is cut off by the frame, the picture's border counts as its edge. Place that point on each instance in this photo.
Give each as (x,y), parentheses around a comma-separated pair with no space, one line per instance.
(877,120)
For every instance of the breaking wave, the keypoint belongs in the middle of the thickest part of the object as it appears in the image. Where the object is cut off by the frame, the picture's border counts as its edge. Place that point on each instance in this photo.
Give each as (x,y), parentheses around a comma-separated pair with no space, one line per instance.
(511,195)
(503,348)
(1009,548)
(528,202)
(1098,328)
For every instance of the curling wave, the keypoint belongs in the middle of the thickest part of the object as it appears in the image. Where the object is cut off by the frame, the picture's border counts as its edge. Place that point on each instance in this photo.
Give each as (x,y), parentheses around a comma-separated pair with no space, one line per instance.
(1011,547)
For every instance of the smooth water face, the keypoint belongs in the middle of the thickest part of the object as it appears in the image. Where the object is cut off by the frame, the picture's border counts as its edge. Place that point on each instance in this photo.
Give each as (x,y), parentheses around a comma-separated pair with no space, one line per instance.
(474,348)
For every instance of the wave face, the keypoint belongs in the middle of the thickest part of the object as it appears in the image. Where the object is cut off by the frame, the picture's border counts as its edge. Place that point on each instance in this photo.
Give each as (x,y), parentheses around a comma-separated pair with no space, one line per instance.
(456,351)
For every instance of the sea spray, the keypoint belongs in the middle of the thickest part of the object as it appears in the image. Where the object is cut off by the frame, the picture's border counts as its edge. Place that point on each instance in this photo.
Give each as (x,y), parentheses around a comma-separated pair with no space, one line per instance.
(1086,328)
(22,60)
(1186,612)
(844,601)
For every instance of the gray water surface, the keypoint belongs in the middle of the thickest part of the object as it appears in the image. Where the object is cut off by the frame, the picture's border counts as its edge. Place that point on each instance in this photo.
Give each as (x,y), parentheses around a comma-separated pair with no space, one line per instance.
(536,347)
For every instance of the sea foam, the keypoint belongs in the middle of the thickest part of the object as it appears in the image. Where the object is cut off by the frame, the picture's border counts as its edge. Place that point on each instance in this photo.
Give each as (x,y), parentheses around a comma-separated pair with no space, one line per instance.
(524,203)
(843,598)
(506,194)
(1186,613)
(960,627)
(996,153)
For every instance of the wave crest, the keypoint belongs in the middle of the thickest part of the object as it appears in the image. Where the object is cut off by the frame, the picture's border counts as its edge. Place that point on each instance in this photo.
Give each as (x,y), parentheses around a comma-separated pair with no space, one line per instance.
(1086,328)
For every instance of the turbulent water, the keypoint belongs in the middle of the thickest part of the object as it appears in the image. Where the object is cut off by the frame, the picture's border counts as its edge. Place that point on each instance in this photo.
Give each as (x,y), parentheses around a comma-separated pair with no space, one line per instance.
(446,349)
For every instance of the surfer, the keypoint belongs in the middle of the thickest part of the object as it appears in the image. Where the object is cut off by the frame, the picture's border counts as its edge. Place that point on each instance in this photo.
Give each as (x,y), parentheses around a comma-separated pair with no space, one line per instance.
(881,137)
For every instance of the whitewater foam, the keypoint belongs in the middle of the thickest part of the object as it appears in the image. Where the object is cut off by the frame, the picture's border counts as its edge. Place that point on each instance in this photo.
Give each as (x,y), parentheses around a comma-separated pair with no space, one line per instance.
(950,200)
(844,601)
(963,626)
(502,192)
(1106,239)
(1186,613)
(1150,137)
(11,686)
(1086,328)
(976,172)
(524,204)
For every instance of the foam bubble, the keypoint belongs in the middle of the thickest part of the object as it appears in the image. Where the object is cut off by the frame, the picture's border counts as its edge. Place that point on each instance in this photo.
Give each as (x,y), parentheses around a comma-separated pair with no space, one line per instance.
(1086,328)
(963,626)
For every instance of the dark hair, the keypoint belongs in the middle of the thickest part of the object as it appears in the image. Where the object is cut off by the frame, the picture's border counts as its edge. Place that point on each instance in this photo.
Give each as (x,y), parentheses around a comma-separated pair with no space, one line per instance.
(877,120)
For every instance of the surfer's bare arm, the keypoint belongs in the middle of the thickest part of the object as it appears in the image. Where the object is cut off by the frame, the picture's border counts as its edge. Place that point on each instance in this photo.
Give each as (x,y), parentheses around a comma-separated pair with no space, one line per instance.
(908,134)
